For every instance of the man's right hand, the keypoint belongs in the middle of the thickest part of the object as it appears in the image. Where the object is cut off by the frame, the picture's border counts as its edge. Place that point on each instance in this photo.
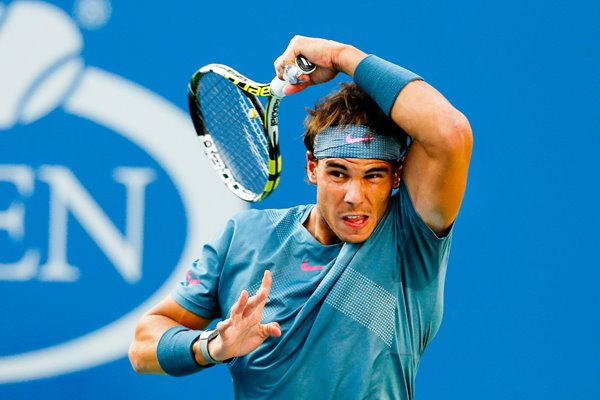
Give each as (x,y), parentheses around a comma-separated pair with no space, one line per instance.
(330,57)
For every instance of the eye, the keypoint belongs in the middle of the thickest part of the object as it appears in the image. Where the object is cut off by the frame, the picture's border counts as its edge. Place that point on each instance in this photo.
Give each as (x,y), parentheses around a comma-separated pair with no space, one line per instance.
(337,174)
(375,175)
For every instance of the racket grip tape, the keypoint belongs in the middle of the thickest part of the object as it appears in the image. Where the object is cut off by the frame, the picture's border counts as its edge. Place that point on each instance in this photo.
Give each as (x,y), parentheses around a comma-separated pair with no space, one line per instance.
(277,86)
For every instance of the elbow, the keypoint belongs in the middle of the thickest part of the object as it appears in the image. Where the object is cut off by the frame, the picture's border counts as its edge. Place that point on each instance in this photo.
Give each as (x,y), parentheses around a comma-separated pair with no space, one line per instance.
(457,136)
(135,358)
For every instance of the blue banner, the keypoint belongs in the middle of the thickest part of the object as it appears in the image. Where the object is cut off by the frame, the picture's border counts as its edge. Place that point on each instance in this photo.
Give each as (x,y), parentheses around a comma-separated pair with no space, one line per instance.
(106,196)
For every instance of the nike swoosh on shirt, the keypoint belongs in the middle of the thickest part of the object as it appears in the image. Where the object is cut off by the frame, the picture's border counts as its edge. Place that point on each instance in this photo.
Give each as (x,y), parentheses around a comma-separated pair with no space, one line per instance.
(306,267)
(351,140)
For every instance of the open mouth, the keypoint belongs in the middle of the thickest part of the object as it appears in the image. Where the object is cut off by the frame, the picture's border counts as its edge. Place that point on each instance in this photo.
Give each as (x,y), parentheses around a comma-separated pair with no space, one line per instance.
(356,221)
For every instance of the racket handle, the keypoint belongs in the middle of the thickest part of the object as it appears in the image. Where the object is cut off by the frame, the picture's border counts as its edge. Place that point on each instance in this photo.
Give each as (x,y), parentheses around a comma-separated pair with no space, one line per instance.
(291,74)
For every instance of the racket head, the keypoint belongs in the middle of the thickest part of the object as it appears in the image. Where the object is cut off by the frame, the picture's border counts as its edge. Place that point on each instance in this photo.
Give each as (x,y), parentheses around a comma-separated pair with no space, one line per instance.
(236,133)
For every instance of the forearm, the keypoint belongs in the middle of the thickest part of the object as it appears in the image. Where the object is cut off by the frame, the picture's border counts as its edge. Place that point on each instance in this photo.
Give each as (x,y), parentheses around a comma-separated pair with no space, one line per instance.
(414,105)
(424,114)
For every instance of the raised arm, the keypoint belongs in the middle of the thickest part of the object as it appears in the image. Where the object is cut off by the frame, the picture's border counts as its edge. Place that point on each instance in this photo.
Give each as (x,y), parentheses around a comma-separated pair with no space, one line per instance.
(435,170)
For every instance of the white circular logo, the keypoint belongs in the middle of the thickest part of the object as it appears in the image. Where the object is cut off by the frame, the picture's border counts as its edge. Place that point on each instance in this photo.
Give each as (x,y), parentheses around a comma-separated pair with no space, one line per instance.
(52,74)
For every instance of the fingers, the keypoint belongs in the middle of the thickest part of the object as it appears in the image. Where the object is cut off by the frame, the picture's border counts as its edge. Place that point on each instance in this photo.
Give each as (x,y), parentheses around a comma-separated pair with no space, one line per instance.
(246,305)
(288,57)
(297,46)
(262,294)
(257,302)
(292,89)
(226,323)
(272,329)
(266,281)
(279,65)
(319,51)
(243,331)
(237,310)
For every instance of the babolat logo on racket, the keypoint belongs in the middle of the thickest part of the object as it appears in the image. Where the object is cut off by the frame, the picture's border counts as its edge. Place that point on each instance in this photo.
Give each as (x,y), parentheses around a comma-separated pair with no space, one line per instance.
(100,206)
(252,88)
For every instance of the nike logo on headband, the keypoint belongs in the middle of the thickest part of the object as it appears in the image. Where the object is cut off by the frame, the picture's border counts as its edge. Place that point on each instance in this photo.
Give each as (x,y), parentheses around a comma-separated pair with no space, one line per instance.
(352,140)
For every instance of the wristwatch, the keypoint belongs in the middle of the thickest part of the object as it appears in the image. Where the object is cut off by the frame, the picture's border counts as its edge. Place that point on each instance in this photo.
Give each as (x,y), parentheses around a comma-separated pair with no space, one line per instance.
(205,337)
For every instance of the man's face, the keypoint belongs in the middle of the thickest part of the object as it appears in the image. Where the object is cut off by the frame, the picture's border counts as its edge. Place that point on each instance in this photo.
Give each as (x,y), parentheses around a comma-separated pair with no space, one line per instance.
(352,197)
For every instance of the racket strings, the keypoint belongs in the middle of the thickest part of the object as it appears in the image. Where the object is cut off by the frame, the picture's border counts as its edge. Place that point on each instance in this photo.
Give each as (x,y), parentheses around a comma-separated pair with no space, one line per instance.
(231,120)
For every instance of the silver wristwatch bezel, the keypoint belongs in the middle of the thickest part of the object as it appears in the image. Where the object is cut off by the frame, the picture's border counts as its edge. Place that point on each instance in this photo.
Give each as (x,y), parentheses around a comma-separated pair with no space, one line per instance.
(205,338)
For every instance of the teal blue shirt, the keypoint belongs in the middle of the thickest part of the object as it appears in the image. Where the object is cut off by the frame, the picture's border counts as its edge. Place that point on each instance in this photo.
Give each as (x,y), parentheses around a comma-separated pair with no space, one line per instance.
(355,318)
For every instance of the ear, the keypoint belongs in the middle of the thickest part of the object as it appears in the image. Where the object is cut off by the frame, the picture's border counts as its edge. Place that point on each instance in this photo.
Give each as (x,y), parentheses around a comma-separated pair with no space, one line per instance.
(311,168)
(397,177)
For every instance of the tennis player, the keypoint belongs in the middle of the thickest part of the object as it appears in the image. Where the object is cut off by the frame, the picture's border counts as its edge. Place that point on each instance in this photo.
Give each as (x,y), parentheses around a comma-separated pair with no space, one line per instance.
(336,300)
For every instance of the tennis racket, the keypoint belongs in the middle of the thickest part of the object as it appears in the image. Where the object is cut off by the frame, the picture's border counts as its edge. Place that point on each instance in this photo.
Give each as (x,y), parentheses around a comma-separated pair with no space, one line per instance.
(238,134)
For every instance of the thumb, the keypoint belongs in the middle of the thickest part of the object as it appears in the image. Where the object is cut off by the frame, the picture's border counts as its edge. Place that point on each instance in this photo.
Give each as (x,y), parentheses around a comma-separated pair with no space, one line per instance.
(272,329)
(293,89)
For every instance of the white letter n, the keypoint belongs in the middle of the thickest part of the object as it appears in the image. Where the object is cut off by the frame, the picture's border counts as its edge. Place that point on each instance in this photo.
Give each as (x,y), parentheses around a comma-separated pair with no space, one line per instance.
(67,194)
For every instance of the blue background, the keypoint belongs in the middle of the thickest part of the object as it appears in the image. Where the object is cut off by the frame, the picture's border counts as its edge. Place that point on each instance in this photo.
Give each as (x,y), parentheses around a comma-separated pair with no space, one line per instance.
(522,316)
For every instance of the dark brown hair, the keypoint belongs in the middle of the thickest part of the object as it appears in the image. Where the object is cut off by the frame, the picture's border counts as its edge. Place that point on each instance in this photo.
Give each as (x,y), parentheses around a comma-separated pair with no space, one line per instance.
(349,105)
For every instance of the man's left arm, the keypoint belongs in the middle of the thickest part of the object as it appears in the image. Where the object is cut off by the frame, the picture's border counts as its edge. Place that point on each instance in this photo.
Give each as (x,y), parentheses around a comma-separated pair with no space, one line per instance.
(437,163)
(436,166)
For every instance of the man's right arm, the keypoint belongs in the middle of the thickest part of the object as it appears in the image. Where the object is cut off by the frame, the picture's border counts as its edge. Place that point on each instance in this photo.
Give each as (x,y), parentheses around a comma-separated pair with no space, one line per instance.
(436,166)
(151,327)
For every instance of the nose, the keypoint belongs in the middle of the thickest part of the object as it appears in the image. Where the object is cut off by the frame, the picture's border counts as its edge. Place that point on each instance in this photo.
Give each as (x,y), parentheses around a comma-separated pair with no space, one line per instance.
(354,192)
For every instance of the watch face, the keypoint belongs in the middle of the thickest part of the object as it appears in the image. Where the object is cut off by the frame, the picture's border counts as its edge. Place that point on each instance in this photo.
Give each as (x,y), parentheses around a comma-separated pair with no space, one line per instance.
(209,335)
(213,334)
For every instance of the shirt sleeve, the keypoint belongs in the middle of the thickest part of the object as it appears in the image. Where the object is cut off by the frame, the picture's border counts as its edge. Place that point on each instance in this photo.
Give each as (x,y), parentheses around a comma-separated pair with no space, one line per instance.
(197,291)
(423,268)
(425,253)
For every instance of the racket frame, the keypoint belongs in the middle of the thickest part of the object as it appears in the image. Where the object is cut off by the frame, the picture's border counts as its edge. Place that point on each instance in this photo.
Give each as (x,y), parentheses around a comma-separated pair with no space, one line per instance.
(270,123)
